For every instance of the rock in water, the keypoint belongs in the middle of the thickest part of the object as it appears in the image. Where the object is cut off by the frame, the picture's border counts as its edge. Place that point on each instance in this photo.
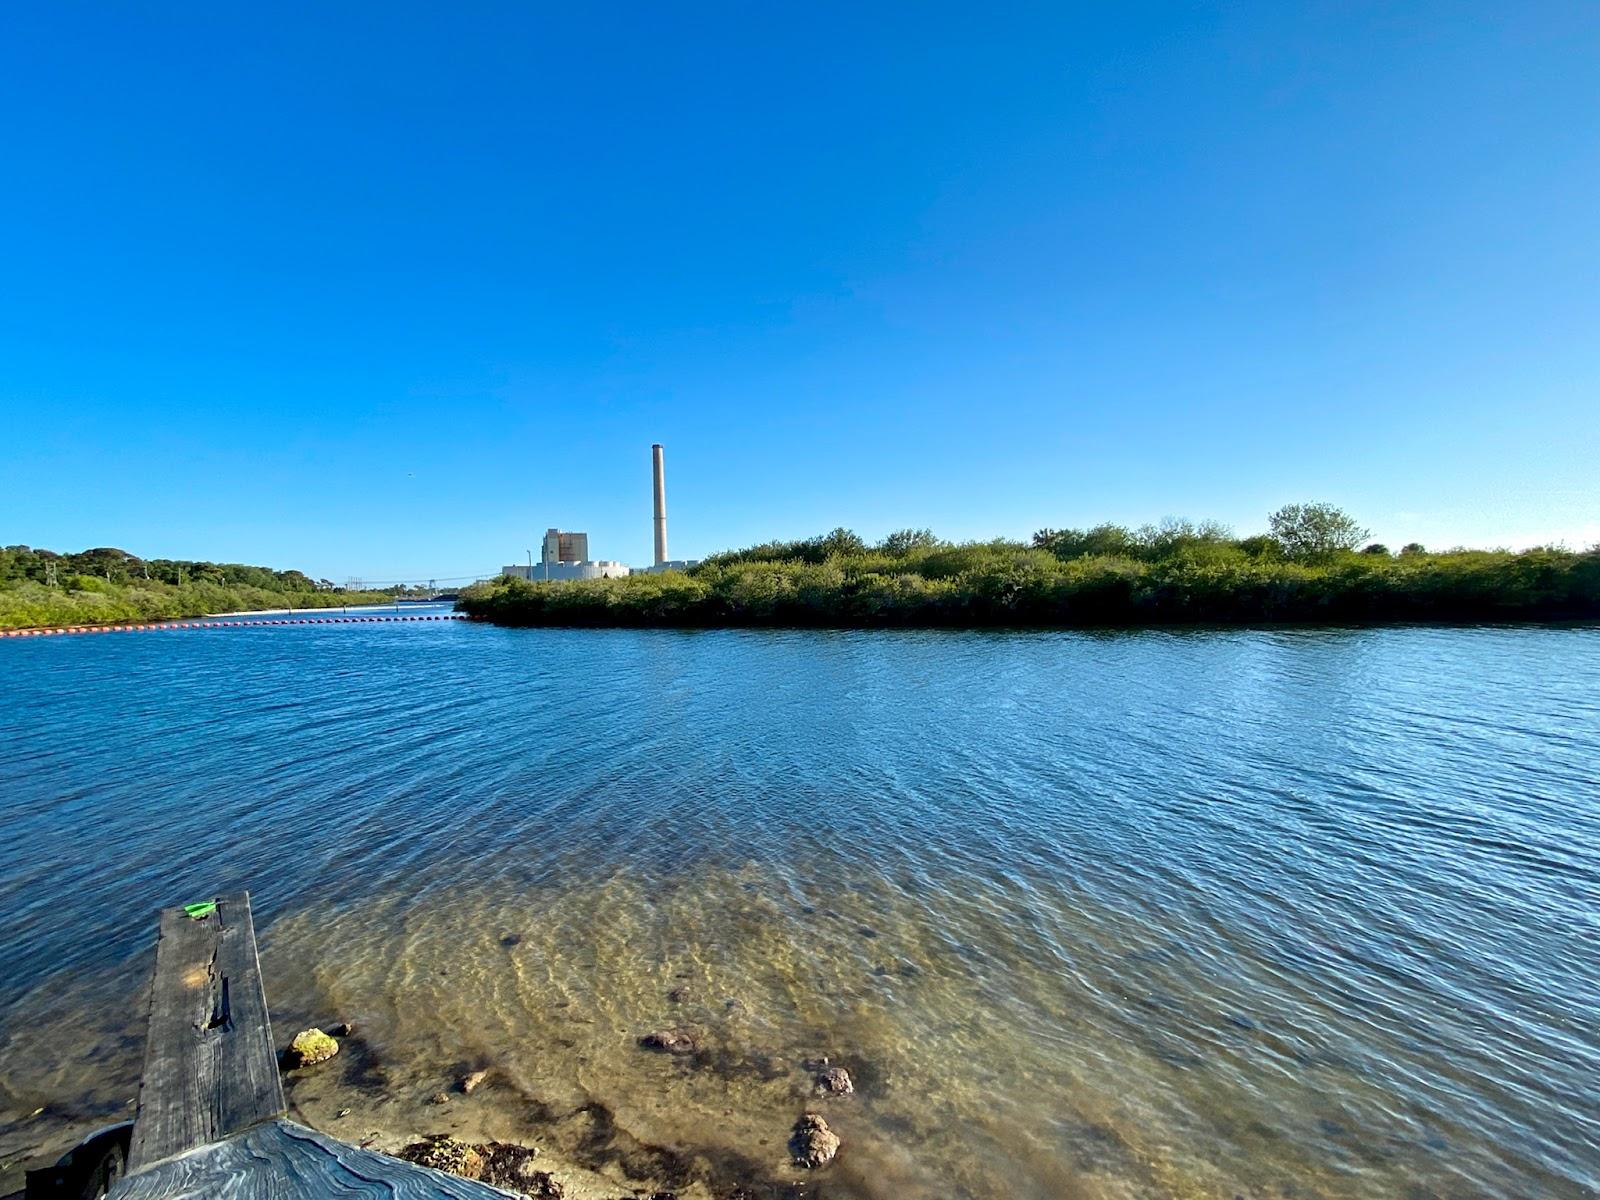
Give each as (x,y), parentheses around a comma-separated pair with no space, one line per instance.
(470,1081)
(672,1041)
(342,1029)
(444,1153)
(310,1046)
(813,1144)
(512,1168)
(835,1081)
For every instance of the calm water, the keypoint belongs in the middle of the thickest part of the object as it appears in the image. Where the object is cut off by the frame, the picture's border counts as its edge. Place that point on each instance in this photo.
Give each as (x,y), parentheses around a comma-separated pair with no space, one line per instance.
(1258,914)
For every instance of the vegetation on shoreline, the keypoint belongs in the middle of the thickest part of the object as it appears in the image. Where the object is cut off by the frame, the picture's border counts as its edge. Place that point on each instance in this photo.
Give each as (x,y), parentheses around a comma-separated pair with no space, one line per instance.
(1306,569)
(40,588)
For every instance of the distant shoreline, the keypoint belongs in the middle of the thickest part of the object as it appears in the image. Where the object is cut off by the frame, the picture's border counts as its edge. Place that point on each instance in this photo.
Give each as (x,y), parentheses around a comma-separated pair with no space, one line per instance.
(997,585)
(106,587)
(267,612)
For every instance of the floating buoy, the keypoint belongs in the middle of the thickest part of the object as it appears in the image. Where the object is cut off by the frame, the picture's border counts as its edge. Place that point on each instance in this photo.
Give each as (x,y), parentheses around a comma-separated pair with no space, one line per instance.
(252,622)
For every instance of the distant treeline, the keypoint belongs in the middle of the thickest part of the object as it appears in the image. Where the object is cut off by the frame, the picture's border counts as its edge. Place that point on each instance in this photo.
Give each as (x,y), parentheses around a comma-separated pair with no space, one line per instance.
(1312,566)
(105,585)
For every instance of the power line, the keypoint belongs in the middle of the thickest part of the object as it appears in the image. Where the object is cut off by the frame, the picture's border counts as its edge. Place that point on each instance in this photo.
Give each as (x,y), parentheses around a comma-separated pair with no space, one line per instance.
(423,577)
(434,582)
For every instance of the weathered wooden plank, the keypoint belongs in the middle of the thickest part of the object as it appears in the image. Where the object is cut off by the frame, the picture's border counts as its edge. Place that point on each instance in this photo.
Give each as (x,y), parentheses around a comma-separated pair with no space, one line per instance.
(169,1091)
(210,1067)
(250,1087)
(284,1161)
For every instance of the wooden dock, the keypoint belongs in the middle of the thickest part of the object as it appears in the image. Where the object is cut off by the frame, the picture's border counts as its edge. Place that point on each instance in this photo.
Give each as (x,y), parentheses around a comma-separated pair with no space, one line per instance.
(284,1161)
(211,1121)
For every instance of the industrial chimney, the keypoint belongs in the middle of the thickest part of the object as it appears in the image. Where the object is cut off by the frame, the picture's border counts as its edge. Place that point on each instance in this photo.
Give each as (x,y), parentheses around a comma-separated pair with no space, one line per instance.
(661,505)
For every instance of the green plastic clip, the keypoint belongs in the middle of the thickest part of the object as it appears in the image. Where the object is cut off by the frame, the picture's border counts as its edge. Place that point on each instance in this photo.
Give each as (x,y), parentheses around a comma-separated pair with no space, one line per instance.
(204,909)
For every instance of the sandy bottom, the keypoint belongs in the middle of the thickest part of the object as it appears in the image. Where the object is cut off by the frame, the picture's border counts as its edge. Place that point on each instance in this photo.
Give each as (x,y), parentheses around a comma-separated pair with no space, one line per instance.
(988,1061)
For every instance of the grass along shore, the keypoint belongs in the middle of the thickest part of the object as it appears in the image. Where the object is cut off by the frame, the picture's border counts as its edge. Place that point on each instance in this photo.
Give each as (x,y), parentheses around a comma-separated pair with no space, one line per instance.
(1307,570)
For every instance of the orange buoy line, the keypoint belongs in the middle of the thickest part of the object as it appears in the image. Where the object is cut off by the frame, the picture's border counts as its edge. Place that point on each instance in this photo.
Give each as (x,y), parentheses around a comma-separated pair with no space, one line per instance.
(146,627)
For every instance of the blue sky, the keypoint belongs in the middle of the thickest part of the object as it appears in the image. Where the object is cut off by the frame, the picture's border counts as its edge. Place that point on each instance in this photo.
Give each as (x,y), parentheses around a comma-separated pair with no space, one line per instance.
(385,290)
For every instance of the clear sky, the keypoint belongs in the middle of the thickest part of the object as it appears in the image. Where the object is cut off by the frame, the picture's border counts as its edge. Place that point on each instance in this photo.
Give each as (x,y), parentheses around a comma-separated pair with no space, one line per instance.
(384,290)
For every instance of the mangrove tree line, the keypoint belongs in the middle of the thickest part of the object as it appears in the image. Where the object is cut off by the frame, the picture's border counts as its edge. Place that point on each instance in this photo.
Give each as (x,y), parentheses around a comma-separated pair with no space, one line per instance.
(1313,564)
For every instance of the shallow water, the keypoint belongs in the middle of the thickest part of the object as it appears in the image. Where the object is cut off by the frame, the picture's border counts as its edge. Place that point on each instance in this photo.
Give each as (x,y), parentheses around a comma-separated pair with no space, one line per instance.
(1303,913)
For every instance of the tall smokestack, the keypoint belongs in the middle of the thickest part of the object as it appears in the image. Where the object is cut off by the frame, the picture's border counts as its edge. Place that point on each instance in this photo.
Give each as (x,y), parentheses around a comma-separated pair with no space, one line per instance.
(661,504)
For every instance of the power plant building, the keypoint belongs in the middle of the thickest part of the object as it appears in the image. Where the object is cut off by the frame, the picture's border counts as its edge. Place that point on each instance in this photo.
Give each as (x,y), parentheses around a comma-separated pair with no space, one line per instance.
(564,555)
(560,572)
(561,547)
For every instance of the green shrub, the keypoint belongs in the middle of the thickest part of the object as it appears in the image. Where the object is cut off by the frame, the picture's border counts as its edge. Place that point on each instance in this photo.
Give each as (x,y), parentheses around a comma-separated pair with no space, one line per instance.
(141,591)
(1199,576)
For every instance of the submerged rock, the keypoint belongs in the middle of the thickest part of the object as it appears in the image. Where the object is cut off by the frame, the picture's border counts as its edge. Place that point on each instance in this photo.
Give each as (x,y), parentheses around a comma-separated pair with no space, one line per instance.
(812,1143)
(439,1098)
(445,1153)
(671,1041)
(309,1047)
(499,1164)
(835,1081)
(511,1167)
(471,1080)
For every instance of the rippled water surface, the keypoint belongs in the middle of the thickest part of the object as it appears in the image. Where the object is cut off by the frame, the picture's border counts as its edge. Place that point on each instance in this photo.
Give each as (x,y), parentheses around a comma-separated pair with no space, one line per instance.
(1196,914)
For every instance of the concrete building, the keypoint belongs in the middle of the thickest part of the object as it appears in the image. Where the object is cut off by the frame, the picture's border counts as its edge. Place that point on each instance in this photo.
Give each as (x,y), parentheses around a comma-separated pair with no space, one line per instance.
(563,557)
(562,547)
(566,572)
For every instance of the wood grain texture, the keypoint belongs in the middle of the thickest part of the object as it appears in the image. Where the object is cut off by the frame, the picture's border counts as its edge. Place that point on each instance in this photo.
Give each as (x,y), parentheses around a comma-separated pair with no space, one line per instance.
(284,1161)
(210,1068)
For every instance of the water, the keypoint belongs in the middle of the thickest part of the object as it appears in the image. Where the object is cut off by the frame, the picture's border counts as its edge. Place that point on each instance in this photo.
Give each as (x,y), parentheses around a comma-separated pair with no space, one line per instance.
(1198,914)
